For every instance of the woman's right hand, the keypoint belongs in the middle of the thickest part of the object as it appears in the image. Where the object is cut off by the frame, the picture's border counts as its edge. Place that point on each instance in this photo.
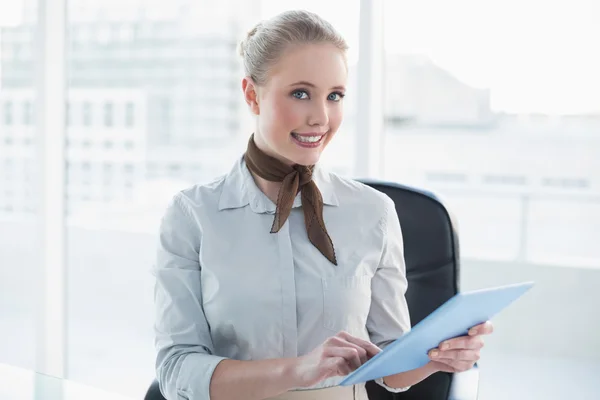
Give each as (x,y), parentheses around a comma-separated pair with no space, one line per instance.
(337,356)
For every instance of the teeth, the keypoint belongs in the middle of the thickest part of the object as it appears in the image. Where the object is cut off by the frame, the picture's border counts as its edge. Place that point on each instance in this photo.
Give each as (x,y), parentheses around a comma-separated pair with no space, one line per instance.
(307,139)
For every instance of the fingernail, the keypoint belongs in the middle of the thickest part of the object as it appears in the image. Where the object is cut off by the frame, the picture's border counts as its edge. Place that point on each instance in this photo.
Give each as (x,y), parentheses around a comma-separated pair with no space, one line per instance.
(445,346)
(473,332)
(434,353)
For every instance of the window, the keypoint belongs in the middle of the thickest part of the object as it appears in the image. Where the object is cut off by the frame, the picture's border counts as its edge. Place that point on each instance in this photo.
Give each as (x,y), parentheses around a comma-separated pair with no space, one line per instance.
(504,180)
(164,113)
(27,113)
(448,108)
(125,32)
(103,34)
(445,177)
(129,115)
(174,170)
(109,114)
(19,254)
(68,117)
(8,113)
(152,171)
(87,114)
(469,86)
(566,183)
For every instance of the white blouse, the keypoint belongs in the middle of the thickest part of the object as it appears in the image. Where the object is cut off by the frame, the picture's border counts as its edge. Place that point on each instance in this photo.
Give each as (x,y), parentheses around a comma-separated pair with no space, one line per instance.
(228,288)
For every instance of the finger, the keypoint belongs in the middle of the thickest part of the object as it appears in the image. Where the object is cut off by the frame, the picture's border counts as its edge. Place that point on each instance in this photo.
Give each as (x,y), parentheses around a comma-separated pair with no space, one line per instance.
(339,342)
(458,355)
(370,348)
(463,342)
(343,367)
(337,366)
(349,354)
(362,352)
(482,329)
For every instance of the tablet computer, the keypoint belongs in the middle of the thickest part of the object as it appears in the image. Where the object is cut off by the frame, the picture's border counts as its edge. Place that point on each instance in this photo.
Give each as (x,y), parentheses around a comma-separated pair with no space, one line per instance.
(452,319)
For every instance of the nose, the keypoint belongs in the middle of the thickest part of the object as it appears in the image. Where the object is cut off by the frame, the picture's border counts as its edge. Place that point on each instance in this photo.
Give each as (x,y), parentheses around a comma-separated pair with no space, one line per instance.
(319,115)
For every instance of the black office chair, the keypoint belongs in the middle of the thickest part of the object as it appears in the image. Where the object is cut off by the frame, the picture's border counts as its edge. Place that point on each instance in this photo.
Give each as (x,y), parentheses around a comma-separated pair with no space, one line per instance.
(431,253)
(432,266)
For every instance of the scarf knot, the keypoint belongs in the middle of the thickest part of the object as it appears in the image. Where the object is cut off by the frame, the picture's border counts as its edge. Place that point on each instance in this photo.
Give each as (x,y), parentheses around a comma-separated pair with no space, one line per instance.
(293,179)
(305,173)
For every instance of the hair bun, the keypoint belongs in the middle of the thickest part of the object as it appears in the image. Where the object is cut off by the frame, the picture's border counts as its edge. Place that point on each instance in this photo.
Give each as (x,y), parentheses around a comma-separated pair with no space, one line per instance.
(244,43)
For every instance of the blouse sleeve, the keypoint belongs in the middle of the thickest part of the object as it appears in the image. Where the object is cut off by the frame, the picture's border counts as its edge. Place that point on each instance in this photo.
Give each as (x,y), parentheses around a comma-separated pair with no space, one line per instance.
(185,361)
(388,317)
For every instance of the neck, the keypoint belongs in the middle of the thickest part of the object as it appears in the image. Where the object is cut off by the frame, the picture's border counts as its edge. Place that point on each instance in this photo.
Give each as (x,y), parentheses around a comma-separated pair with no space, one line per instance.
(270,189)
(264,147)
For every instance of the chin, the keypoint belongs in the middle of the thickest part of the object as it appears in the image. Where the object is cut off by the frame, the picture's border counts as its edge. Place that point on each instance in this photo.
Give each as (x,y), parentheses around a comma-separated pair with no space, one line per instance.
(306,159)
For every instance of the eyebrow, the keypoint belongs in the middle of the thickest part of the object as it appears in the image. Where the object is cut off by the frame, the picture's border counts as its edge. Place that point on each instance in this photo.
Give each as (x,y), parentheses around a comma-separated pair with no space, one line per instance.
(305,83)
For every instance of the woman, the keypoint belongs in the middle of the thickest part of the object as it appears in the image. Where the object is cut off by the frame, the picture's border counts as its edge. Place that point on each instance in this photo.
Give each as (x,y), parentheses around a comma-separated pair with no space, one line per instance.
(280,276)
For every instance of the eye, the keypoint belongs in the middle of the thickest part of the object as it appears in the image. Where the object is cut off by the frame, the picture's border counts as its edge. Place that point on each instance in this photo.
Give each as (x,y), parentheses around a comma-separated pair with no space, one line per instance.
(335,96)
(300,94)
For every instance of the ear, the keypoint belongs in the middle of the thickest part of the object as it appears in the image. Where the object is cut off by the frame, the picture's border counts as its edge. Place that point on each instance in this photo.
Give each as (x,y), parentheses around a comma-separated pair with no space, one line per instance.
(251,94)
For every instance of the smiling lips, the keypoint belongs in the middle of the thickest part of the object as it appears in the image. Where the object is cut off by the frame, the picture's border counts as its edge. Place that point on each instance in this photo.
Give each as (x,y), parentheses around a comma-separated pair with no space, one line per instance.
(311,139)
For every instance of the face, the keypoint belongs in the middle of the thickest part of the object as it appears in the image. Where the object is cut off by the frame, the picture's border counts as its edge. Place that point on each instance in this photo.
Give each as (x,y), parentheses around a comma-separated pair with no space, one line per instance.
(300,107)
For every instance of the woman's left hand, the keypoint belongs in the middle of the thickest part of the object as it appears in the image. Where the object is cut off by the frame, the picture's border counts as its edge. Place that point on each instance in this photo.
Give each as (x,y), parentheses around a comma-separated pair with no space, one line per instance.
(461,353)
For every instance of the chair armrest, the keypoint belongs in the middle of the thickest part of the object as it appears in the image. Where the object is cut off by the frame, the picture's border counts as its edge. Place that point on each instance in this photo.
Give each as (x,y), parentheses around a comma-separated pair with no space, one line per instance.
(154,392)
(465,385)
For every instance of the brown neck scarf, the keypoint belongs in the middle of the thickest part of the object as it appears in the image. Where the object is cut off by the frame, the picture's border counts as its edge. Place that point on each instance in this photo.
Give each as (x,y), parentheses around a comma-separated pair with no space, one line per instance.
(293,178)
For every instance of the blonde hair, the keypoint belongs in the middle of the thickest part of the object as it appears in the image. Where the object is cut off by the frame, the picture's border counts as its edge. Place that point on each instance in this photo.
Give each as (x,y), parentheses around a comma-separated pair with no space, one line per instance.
(266,42)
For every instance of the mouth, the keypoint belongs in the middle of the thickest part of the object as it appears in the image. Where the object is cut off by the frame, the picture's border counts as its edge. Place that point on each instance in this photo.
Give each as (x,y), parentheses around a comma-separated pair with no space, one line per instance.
(308,139)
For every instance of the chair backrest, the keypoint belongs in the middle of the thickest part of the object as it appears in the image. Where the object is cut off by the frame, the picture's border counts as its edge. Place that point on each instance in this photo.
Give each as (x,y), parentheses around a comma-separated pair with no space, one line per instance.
(431,253)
